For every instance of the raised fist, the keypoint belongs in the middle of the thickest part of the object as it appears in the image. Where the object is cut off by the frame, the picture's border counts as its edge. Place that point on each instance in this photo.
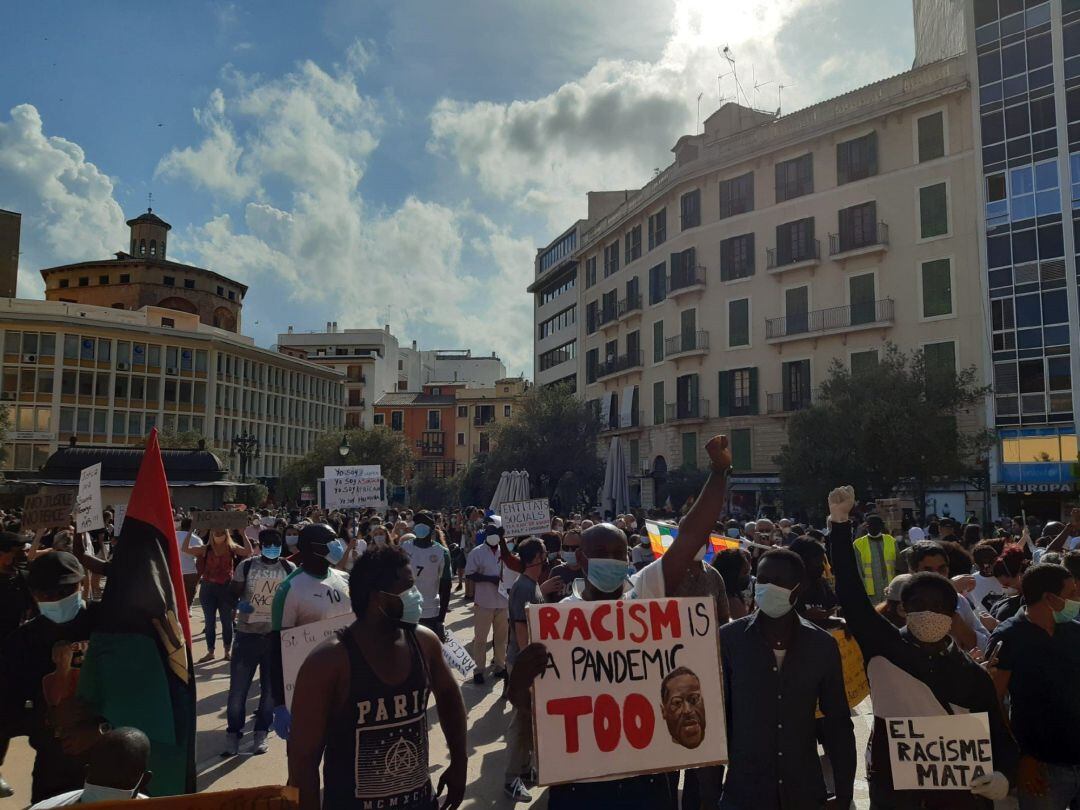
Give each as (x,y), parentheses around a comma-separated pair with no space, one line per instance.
(841,502)
(719,452)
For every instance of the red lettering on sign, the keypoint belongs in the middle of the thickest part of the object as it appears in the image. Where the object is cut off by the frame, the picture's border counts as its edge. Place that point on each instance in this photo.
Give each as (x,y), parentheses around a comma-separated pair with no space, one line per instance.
(637,615)
(639,720)
(571,709)
(549,623)
(606,724)
(576,622)
(665,614)
(600,633)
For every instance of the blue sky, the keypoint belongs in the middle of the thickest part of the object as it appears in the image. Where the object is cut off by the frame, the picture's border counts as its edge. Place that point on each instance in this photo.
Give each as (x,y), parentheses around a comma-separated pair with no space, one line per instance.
(383,162)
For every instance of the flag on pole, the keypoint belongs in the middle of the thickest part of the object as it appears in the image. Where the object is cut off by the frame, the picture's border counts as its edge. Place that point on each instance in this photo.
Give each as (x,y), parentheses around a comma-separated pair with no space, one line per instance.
(138,670)
(662,535)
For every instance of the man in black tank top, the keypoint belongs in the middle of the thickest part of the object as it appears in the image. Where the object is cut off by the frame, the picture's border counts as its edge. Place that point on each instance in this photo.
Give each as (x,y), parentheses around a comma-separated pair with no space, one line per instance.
(360,703)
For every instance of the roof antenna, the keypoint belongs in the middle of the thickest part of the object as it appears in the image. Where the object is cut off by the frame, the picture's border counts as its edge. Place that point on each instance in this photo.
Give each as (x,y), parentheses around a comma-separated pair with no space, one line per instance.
(726,53)
(150,202)
(699,95)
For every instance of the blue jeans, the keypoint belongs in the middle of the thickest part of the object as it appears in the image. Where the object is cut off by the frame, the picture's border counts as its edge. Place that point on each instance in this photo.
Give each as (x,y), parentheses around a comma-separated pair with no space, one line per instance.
(1062,788)
(216,600)
(251,650)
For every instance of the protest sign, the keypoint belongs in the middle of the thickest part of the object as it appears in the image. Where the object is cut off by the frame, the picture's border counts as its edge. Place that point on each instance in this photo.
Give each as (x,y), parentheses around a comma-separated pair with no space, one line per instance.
(356,486)
(205,521)
(267,797)
(856,685)
(631,687)
(119,513)
(88,512)
(47,511)
(521,518)
(298,642)
(939,753)
(457,657)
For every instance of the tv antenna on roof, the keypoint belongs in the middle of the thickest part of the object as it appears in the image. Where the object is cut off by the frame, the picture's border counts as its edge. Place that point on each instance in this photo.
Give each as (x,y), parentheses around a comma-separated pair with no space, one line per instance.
(758,85)
(150,201)
(699,95)
(726,53)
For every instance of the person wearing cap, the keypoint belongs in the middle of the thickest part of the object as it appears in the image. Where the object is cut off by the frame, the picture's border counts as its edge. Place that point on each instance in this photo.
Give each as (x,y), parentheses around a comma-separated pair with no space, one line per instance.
(431,566)
(16,606)
(876,552)
(485,568)
(893,608)
(57,634)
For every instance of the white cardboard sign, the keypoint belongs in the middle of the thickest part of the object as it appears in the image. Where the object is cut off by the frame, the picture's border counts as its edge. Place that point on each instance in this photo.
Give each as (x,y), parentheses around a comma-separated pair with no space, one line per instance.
(356,486)
(631,687)
(939,753)
(119,513)
(88,512)
(457,657)
(298,642)
(521,518)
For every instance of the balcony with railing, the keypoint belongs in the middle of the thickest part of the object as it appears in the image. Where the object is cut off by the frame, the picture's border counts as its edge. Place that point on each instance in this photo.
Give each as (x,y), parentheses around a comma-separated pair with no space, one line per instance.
(837,320)
(688,344)
(607,316)
(631,305)
(792,257)
(481,421)
(785,403)
(691,410)
(851,242)
(685,280)
(616,423)
(431,443)
(621,364)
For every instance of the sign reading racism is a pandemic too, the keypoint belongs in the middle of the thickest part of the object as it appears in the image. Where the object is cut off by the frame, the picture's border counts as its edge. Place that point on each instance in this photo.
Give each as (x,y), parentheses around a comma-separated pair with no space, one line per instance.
(356,486)
(631,687)
(939,753)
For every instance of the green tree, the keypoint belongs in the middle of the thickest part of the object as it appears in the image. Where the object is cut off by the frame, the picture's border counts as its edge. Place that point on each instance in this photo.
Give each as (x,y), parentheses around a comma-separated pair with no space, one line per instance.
(893,427)
(430,492)
(469,485)
(379,445)
(553,437)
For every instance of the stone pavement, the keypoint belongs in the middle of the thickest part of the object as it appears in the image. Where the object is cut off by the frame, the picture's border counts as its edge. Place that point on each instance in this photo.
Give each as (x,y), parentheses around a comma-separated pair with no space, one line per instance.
(489,716)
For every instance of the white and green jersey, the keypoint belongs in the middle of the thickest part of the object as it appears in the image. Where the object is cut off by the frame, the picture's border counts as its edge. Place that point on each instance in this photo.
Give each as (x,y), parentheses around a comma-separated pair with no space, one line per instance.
(304,599)
(430,566)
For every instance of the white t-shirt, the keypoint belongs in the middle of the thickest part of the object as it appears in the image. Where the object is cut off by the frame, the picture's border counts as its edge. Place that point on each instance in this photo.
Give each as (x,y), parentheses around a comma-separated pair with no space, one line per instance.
(303,599)
(187,562)
(987,591)
(428,565)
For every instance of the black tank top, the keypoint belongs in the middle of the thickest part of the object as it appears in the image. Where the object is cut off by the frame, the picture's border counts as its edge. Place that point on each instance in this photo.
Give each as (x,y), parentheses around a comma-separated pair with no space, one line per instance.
(377,748)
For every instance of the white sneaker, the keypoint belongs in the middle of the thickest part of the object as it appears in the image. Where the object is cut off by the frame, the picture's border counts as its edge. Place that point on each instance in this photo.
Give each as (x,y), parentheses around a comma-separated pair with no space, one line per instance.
(259,745)
(232,745)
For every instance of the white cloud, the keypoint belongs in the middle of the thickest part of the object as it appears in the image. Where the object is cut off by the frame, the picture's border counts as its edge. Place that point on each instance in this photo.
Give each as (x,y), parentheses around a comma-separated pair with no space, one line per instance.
(66,202)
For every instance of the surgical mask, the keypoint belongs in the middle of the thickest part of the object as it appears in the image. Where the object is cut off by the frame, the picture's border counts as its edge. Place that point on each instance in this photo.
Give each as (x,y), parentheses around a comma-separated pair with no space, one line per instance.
(63,610)
(421,530)
(492,540)
(412,605)
(732,533)
(568,557)
(929,626)
(380,539)
(292,540)
(1067,613)
(511,546)
(773,600)
(271,552)
(606,575)
(102,793)
(335,550)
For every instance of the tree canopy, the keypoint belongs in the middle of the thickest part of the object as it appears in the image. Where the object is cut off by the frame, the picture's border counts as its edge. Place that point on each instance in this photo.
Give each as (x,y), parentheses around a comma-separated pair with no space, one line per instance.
(890,427)
(379,445)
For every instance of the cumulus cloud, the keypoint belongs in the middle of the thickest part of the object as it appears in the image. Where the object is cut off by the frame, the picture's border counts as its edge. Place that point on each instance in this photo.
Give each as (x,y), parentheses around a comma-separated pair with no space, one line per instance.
(66,202)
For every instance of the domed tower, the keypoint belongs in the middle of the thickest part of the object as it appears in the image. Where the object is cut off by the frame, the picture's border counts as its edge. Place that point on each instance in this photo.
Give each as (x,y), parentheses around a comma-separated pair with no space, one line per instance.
(149,233)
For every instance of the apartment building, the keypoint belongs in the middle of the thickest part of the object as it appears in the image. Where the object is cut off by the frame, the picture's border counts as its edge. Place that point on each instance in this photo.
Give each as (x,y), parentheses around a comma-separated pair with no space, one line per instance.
(480,411)
(1024,59)
(420,367)
(716,297)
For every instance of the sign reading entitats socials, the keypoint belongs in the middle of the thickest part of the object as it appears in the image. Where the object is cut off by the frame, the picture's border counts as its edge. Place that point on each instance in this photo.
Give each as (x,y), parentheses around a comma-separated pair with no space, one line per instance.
(356,486)
(939,753)
(631,687)
(521,518)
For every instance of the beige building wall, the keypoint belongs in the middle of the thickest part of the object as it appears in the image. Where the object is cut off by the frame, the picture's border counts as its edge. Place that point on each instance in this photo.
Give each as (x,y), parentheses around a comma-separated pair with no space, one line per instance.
(891,109)
(479,412)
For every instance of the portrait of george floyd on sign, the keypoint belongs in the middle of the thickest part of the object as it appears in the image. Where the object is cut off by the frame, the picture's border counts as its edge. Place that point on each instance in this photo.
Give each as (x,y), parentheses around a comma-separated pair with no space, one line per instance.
(631,687)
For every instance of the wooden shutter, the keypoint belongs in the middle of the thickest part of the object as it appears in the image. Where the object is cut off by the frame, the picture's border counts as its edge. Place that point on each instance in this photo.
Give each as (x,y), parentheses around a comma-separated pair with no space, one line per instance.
(753,391)
(724,395)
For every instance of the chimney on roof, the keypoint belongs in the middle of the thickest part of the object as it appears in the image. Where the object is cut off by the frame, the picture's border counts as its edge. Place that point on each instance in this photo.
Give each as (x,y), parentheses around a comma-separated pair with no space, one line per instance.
(388,329)
(290,329)
(414,345)
(328,326)
(335,327)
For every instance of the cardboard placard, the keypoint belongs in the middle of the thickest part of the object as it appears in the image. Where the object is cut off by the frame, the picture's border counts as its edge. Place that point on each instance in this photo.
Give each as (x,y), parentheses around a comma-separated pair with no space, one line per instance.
(297,644)
(856,684)
(457,657)
(522,518)
(939,753)
(48,511)
(256,798)
(356,486)
(119,513)
(206,521)
(88,511)
(631,687)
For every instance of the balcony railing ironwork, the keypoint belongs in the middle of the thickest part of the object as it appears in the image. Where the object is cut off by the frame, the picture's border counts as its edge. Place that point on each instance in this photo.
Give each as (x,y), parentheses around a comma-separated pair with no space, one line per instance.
(685,343)
(835,319)
(874,235)
(792,254)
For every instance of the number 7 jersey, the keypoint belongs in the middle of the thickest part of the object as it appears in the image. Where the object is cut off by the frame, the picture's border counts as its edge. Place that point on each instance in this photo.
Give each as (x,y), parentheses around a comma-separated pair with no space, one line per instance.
(303,598)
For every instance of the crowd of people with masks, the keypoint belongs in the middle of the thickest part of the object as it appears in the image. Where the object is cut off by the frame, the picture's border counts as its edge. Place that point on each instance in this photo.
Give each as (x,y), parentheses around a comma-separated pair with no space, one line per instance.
(949,619)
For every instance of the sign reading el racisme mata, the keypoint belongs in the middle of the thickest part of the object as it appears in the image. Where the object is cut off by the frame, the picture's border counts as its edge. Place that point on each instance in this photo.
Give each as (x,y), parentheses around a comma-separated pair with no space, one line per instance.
(631,687)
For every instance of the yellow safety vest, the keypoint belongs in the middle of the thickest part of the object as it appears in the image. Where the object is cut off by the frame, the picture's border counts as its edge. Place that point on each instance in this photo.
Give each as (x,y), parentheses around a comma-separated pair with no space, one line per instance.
(862,546)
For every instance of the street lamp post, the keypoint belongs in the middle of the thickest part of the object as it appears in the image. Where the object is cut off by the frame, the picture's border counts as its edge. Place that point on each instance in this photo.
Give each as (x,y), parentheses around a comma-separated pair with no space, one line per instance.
(246,446)
(343,448)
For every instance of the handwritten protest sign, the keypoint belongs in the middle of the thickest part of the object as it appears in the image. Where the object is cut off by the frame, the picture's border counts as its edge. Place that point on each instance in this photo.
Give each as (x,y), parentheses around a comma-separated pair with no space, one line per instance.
(631,687)
(457,657)
(298,642)
(119,513)
(88,512)
(939,753)
(520,518)
(856,684)
(356,486)
(205,521)
(47,511)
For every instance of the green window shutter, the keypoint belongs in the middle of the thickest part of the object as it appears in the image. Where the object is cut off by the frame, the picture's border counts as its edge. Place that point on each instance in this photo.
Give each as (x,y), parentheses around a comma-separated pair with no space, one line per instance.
(724,397)
(933,211)
(753,392)
(936,288)
(741,460)
(689,450)
(658,402)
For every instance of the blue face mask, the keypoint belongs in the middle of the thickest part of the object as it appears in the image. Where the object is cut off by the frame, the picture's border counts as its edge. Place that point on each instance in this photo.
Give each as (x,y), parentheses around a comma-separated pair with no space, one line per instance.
(412,605)
(271,552)
(606,576)
(63,610)
(1068,612)
(421,530)
(335,551)
(773,600)
(733,534)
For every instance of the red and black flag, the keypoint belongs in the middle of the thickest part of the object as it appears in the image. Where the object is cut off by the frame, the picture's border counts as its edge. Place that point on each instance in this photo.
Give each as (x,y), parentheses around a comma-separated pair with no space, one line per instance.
(138,670)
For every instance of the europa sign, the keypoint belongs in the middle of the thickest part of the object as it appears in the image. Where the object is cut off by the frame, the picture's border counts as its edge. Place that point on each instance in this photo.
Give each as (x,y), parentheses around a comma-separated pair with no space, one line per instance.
(1025,489)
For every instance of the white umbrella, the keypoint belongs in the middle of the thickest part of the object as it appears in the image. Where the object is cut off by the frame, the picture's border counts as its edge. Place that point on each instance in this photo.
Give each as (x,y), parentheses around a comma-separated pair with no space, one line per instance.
(615,495)
(513,486)
(501,492)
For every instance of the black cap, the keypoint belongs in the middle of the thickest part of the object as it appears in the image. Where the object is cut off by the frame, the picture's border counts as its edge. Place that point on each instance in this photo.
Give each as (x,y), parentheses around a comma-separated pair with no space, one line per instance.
(424,517)
(319,533)
(54,568)
(10,540)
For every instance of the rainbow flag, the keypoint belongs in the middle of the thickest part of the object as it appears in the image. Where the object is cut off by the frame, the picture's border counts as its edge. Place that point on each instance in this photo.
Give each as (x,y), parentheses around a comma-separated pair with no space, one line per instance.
(662,535)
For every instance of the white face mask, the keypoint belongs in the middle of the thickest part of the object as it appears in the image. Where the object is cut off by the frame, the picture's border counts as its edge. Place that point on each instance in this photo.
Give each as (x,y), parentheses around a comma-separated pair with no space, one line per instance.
(492,540)
(102,793)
